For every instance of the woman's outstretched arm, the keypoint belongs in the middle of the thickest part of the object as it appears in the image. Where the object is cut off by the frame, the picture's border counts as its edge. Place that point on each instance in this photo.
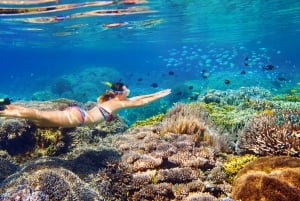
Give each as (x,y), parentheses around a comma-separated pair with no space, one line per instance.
(145,99)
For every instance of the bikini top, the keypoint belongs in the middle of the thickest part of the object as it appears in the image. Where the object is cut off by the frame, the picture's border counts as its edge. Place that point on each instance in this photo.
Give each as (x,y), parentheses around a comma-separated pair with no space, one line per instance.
(106,115)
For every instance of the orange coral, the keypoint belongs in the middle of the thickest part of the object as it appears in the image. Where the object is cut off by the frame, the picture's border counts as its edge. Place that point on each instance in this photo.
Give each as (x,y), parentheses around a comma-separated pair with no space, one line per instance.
(269,178)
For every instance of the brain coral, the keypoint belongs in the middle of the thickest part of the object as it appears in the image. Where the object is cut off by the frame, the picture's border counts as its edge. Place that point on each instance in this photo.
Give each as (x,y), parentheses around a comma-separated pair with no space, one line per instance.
(275,133)
(269,178)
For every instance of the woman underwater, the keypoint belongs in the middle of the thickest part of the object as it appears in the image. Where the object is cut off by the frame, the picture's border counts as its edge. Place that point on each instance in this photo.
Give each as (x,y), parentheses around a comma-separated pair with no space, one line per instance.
(108,105)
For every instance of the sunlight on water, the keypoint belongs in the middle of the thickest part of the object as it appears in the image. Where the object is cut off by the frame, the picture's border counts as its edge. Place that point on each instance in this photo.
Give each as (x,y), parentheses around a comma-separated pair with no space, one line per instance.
(48,22)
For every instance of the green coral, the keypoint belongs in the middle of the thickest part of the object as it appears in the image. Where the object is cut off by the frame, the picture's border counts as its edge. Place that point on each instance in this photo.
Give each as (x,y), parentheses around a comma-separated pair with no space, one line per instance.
(227,117)
(234,164)
(149,121)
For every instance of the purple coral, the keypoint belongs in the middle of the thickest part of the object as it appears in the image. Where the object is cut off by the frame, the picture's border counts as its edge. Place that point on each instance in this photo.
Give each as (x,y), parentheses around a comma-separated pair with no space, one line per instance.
(277,133)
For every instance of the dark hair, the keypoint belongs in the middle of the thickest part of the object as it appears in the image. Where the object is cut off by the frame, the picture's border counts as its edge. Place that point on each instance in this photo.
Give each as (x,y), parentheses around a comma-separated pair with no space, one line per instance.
(118,86)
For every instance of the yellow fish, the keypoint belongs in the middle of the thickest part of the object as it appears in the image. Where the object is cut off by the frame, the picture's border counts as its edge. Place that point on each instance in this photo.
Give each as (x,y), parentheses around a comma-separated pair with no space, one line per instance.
(293,90)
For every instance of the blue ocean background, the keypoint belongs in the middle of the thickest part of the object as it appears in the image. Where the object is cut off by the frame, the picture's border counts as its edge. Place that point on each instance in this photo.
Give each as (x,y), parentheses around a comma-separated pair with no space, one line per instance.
(188,46)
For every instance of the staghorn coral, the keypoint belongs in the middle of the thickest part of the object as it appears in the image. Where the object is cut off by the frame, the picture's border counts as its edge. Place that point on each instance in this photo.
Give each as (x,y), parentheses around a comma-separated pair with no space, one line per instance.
(269,178)
(275,133)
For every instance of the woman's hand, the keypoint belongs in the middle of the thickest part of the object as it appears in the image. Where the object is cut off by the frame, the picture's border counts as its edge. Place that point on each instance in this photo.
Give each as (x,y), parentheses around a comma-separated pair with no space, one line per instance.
(163,93)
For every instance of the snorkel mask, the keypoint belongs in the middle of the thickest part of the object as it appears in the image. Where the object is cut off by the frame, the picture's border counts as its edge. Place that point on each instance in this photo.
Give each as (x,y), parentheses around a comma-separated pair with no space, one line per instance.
(126,91)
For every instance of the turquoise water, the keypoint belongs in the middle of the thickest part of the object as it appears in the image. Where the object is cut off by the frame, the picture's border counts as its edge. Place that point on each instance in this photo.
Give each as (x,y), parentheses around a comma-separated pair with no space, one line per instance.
(189,46)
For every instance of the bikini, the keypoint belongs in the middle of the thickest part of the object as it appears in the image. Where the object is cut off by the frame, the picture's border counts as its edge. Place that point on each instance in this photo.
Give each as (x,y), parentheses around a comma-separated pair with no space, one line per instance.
(82,113)
(106,115)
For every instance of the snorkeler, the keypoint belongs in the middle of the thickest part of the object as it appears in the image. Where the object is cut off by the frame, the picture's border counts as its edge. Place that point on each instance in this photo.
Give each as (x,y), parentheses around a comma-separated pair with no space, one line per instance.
(108,105)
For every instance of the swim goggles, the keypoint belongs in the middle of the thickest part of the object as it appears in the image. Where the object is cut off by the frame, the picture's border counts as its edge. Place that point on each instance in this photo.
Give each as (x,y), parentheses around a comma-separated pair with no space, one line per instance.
(126,91)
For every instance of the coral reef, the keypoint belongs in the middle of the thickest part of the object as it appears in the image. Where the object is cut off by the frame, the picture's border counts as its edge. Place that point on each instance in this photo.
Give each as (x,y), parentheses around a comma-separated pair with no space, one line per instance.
(227,118)
(274,133)
(185,119)
(200,197)
(166,165)
(56,183)
(114,182)
(149,121)
(234,164)
(24,192)
(7,166)
(16,136)
(193,120)
(235,97)
(269,178)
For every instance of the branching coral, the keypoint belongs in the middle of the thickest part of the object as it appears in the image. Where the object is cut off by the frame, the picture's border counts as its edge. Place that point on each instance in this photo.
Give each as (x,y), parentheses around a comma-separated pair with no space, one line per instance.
(269,178)
(274,134)
(234,164)
(185,119)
